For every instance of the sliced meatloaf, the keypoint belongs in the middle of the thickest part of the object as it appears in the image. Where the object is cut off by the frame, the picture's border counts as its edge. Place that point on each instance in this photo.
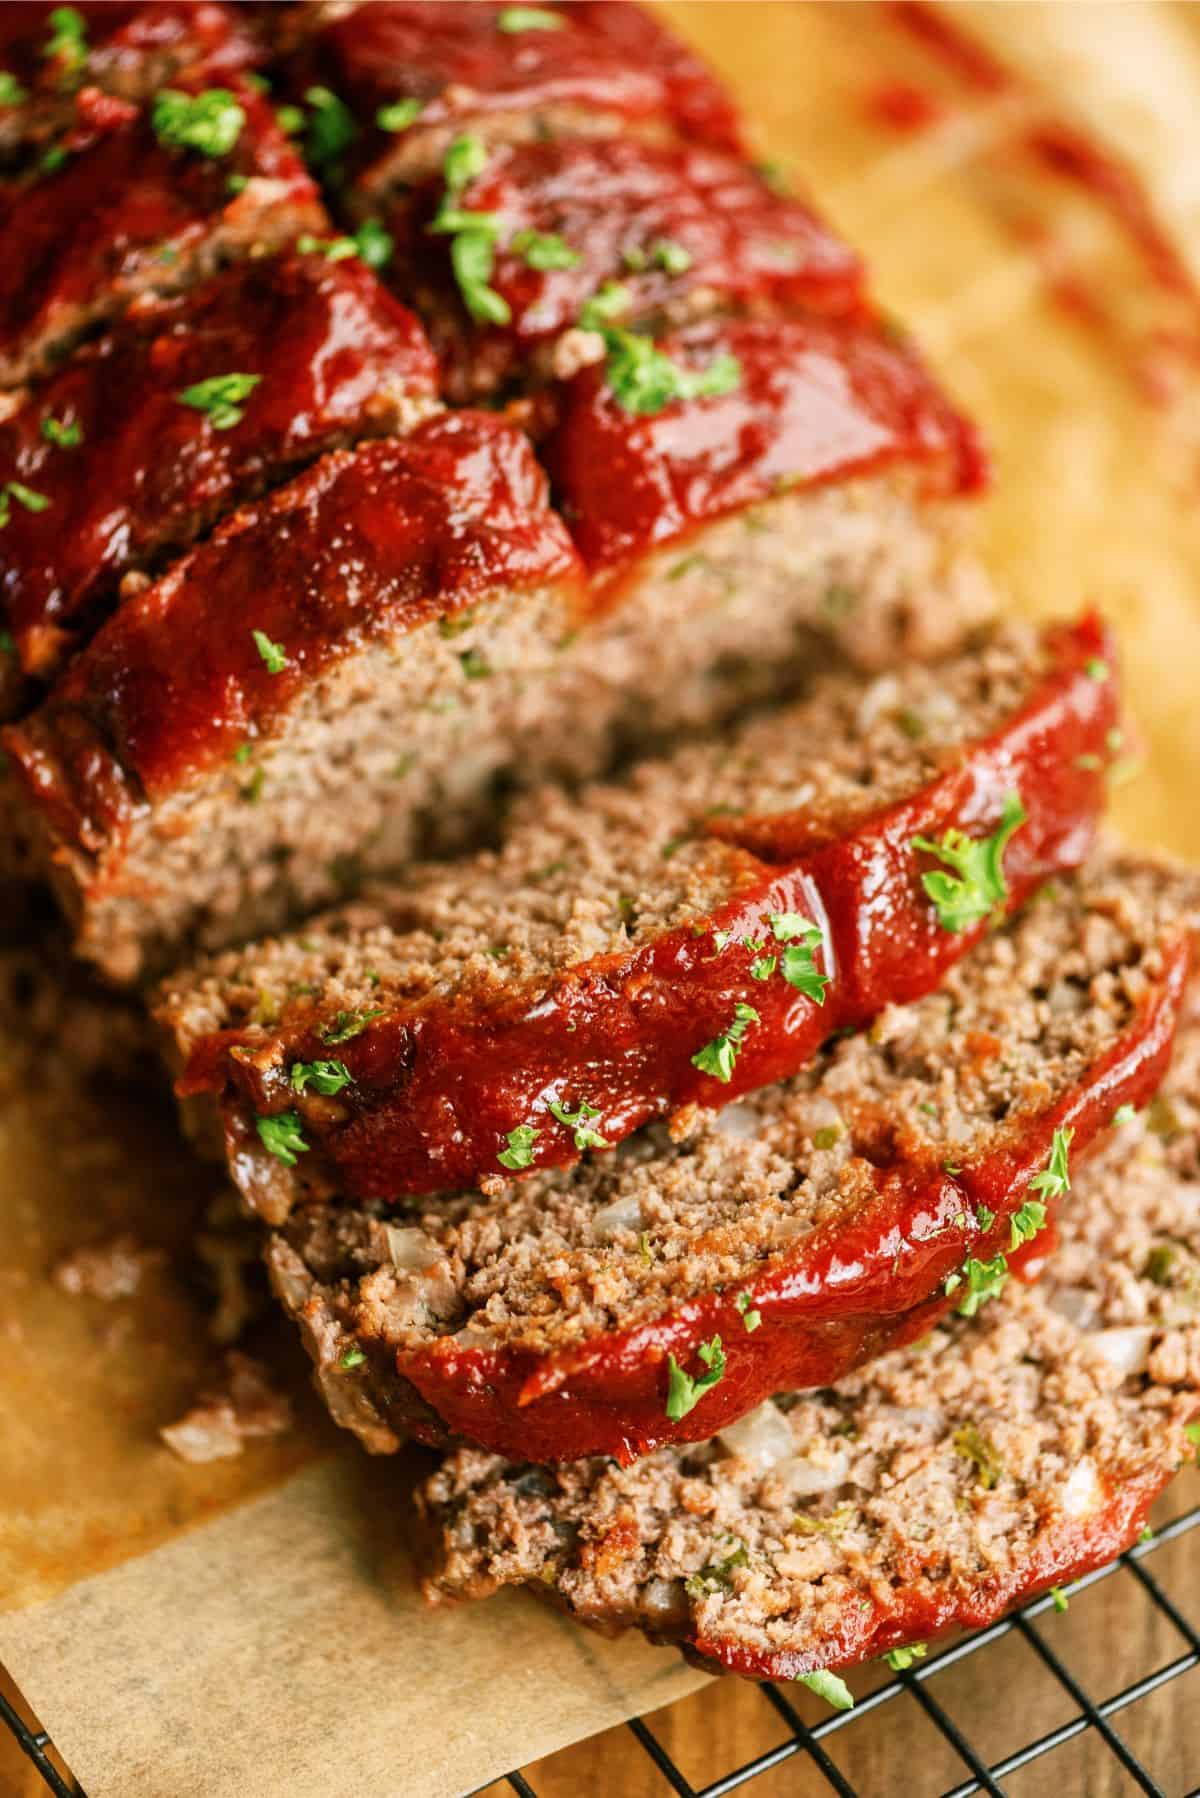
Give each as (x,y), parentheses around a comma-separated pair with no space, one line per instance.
(990,1460)
(389,84)
(48,53)
(679,228)
(602,958)
(659,1293)
(187,407)
(297,688)
(136,199)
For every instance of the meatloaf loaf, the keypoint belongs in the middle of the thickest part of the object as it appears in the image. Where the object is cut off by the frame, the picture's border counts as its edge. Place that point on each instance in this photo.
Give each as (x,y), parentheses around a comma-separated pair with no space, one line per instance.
(402,78)
(601,961)
(185,408)
(659,1293)
(990,1460)
(134,199)
(665,232)
(810,516)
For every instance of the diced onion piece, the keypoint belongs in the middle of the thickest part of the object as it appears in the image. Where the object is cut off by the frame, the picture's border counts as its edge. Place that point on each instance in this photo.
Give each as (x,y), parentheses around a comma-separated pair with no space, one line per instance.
(806,1477)
(411,1250)
(741,1122)
(762,1438)
(1076,1304)
(622,1214)
(1126,1349)
(1081,1493)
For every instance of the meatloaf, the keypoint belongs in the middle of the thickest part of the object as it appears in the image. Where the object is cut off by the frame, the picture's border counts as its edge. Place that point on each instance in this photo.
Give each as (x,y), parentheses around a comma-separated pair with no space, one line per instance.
(659,1293)
(990,1460)
(666,231)
(134,199)
(392,82)
(773,875)
(815,521)
(188,406)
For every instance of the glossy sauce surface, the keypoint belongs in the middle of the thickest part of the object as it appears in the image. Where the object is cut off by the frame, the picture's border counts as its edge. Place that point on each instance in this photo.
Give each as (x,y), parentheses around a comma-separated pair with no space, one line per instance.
(364,546)
(149,472)
(438,1085)
(630,212)
(818,400)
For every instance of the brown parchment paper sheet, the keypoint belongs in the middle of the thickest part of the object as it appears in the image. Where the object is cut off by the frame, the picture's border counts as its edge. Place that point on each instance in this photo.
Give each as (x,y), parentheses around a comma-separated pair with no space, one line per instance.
(251,1627)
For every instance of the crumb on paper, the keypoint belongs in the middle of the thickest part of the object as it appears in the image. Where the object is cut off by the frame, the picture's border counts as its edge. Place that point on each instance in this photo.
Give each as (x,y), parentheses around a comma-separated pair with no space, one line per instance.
(106,1270)
(226,1416)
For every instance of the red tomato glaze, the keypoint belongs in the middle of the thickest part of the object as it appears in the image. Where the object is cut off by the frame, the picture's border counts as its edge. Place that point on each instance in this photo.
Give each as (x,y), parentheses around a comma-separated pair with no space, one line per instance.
(150,473)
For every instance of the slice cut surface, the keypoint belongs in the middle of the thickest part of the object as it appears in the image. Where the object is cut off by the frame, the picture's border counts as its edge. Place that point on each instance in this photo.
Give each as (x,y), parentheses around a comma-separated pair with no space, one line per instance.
(994,1458)
(188,407)
(604,957)
(842,1210)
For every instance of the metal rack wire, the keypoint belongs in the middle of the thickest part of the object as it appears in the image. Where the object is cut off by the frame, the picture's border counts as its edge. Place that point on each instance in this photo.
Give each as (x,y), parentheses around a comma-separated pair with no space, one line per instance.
(916,1685)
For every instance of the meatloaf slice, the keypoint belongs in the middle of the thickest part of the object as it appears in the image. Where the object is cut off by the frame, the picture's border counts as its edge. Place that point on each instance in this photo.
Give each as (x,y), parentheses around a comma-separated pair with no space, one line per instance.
(680,228)
(992,1459)
(659,1293)
(619,934)
(404,77)
(141,199)
(187,407)
(128,49)
(297,689)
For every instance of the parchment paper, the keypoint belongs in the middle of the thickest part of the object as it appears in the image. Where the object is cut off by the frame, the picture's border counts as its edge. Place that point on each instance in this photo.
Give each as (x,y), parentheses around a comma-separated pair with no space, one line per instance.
(251,1628)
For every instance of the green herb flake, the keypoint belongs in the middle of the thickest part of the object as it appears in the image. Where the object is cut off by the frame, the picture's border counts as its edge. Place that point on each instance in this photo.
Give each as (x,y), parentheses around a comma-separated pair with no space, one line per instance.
(399,115)
(1097,669)
(474,664)
(328,1077)
(352,1358)
(331,127)
(1124,1114)
(985,1280)
(828,1686)
(1146,1534)
(273,654)
(1061,1601)
(802,938)
(644,380)
(980,1451)
(219,398)
(282,1137)
(1025,1223)
(1089,764)
(750,1317)
(236,184)
(1055,1178)
(984,1218)
(519,1152)
(348,1024)
(67,41)
(62,433)
(719,1057)
(718,1575)
(585,1136)
(56,157)
(610,301)
(1160,1264)
(763,966)
(374,244)
(513,19)
(1192,1432)
(545,250)
(11,91)
(684,1391)
(977,885)
(670,256)
(24,496)
(901,1659)
(210,122)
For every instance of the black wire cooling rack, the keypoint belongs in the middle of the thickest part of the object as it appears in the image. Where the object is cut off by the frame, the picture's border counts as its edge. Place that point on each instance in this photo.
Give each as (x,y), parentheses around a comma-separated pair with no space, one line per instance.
(915,1685)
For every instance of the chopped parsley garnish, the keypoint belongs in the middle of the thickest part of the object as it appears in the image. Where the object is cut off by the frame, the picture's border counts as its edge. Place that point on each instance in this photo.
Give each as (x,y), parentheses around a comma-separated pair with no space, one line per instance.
(827,1137)
(1025,1223)
(718,1575)
(331,127)
(974,1446)
(220,397)
(984,1218)
(210,122)
(334,249)
(529,18)
(664,253)
(585,1136)
(68,36)
(11,91)
(466,157)
(802,937)
(750,1317)
(645,380)
(1061,1601)
(985,1280)
(544,250)
(282,1136)
(353,1357)
(901,1659)
(374,243)
(472,234)
(348,1024)
(719,1057)
(684,1391)
(54,158)
(328,1077)
(1124,1114)
(828,1686)
(763,966)
(475,664)
(1160,1263)
(977,885)
(608,302)
(399,115)
(1055,1178)
(1192,1432)
(519,1152)
(64,434)
(273,654)
(1098,669)
(1147,1534)
(24,496)
(290,119)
